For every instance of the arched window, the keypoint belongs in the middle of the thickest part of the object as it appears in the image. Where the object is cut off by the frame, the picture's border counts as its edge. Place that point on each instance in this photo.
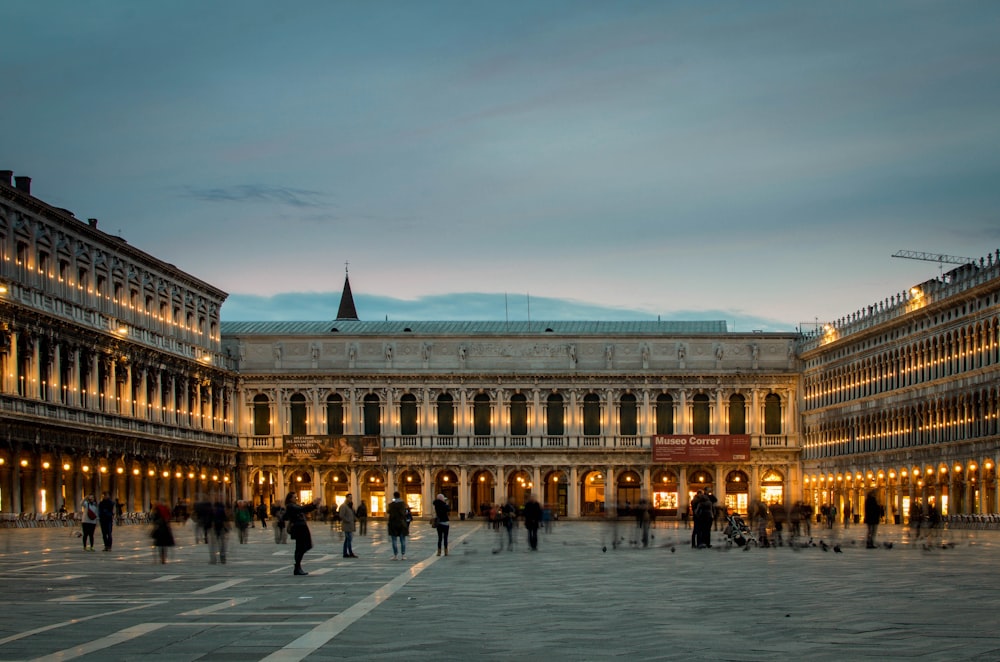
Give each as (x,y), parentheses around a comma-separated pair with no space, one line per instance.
(481,415)
(737,415)
(591,415)
(664,414)
(628,416)
(408,415)
(554,424)
(334,415)
(298,413)
(700,414)
(261,416)
(772,414)
(372,415)
(446,415)
(518,415)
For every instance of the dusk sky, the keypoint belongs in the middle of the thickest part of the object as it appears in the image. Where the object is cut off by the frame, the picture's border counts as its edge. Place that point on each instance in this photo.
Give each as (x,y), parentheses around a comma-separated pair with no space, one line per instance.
(754,162)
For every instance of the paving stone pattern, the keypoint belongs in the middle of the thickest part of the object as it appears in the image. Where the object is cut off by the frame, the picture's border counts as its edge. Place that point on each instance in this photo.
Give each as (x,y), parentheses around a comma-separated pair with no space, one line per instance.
(570,600)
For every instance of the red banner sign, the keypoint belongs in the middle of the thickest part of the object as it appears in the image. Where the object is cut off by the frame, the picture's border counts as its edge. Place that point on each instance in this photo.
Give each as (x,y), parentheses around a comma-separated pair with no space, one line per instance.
(701,448)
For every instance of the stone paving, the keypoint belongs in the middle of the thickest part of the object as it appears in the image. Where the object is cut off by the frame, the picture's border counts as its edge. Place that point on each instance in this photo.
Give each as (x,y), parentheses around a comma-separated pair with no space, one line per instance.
(570,600)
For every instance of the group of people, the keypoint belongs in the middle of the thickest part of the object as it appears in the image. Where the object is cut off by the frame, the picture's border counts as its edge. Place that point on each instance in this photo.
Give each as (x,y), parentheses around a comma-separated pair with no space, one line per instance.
(96,514)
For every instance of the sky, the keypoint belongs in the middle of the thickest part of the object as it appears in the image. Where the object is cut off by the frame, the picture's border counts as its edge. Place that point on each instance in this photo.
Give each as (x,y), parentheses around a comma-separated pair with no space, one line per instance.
(754,162)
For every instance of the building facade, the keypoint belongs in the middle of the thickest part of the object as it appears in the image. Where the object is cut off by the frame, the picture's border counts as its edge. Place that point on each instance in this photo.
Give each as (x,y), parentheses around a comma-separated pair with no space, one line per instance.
(484,411)
(111,372)
(904,398)
(116,374)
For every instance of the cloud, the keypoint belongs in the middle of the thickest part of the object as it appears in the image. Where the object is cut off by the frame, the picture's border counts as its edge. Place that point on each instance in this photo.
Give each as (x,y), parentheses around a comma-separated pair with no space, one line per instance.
(281,195)
(467,306)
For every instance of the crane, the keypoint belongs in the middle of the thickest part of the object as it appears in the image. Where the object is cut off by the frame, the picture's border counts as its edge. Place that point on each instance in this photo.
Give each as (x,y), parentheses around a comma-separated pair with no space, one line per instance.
(940,258)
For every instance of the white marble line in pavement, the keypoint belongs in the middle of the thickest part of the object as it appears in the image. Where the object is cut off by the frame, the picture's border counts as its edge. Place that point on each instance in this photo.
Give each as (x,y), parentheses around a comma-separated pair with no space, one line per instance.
(218,587)
(165,578)
(73,621)
(102,643)
(324,632)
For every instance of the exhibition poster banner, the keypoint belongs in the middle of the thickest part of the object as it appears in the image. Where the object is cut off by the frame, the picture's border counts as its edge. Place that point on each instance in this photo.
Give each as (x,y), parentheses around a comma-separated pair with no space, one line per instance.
(701,447)
(342,449)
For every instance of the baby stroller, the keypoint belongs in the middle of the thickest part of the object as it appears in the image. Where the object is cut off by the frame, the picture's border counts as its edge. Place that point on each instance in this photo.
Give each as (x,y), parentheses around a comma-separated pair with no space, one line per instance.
(738,533)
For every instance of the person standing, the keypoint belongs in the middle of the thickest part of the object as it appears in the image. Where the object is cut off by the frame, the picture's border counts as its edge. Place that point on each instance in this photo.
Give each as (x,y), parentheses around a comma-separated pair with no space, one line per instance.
(873,513)
(362,514)
(295,516)
(89,519)
(348,518)
(399,525)
(280,525)
(106,516)
(532,520)
(441,510)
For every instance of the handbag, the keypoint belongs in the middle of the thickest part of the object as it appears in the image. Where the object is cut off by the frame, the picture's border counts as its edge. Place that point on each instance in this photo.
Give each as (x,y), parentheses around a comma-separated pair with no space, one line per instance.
(434,522)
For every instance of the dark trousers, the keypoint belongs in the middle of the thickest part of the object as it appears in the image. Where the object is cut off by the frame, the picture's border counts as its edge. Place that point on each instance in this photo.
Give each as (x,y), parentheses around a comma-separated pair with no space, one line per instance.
(106,525)
(443,535)
(88,534)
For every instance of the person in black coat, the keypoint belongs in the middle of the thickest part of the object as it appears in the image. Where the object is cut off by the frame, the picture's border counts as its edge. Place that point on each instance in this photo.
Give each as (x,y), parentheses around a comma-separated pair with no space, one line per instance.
(532,518)
(873,513)
(295,516)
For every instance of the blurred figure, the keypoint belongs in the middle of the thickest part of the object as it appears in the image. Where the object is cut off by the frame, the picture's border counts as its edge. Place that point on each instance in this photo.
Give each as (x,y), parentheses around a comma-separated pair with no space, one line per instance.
(219,532)
(362,514)
(280,524)
(203,514)
(89,519)
(508,515)
(532,519)
(262,514)
(399,525)
(643,518)
(244,518)
(295,515)
(163,536)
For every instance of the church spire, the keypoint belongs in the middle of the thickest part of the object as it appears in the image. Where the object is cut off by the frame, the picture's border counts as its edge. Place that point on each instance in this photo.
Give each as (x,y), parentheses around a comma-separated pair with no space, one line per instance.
(347,311)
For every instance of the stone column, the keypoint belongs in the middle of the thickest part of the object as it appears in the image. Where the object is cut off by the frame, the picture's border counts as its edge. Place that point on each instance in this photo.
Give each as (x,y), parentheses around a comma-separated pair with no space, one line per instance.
(10,374)
(573,493)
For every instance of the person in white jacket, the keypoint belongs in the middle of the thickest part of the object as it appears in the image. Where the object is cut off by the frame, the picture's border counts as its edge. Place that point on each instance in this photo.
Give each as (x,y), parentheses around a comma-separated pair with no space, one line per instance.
(89,518)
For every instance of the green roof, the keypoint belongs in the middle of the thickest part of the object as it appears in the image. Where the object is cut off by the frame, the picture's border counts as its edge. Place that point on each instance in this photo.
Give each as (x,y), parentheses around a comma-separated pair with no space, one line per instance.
(463,328)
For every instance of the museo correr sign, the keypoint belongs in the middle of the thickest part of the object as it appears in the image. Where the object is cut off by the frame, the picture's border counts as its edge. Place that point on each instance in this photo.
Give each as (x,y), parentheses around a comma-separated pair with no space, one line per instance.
(701,447)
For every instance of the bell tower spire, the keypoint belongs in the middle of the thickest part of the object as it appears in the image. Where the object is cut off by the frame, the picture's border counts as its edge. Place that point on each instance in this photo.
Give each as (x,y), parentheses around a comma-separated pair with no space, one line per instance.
(347,311)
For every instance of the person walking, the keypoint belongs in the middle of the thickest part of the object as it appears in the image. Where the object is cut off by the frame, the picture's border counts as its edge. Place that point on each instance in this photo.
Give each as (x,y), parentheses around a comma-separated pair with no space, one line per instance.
(163,536)
(441,510)
(89,519)
(508,514)
(399,526)
(280,524)
(262,514)
(218,528)
(873,513)
(362,514)
(244,518)
(295,516)
(106,516)
(532,520)
(348,519)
